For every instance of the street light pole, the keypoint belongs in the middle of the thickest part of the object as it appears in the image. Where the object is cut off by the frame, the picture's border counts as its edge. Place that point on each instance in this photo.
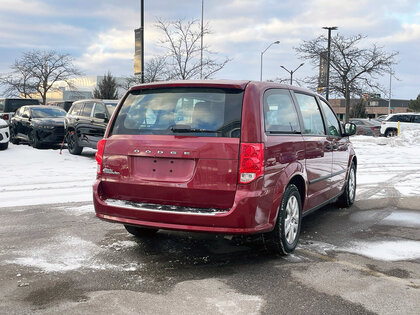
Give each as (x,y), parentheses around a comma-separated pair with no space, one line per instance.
(329,28)
(202,35)
(142,39)
(390,91)
(291,72)
(262,53)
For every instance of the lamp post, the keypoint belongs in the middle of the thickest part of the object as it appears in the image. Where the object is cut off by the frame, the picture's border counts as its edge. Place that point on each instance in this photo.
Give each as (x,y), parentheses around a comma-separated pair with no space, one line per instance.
(262,53)
(142,39)
(202,35)
(291,72)
(390,90)
(329,28)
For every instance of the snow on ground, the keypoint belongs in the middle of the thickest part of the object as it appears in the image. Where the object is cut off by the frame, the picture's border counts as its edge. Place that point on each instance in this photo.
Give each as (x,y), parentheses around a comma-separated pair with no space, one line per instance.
(66,253)
(388,166)
(31,176)
(385,250)
(404,219)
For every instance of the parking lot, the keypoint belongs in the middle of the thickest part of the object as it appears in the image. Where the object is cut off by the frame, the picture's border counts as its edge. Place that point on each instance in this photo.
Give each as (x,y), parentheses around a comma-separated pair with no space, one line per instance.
(56,257)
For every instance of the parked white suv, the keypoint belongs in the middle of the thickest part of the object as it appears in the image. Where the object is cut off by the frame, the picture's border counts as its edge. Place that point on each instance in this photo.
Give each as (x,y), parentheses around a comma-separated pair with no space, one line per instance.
(4,135)
(389,126)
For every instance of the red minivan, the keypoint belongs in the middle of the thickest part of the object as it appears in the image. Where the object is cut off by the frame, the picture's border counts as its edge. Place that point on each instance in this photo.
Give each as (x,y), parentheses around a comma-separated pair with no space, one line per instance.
(233,157)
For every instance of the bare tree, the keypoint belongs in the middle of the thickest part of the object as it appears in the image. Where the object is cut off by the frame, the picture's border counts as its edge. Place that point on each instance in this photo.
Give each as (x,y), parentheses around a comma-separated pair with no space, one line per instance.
(19,81)
(353,70)
(37,71)
(154,70)
(182,41)
(130,81)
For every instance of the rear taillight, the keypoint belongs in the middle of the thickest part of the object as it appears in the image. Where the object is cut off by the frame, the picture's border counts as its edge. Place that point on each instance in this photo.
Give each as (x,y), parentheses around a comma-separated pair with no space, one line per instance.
(251,162)
(5,117)
(99,154)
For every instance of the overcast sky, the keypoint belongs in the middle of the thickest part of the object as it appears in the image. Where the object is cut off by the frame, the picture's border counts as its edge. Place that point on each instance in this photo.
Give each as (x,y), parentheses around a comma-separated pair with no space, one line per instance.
(99,33)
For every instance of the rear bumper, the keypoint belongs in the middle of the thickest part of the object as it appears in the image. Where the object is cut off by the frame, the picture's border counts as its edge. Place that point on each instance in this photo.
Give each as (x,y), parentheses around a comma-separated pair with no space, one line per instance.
(246,216)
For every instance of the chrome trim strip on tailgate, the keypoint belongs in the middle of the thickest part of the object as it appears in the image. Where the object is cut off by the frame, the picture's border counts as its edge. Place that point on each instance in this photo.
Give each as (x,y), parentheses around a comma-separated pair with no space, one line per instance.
(163,208)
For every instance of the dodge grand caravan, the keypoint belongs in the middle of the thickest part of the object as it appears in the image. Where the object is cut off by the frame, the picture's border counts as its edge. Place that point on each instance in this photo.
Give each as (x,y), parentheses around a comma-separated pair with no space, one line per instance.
(233,157)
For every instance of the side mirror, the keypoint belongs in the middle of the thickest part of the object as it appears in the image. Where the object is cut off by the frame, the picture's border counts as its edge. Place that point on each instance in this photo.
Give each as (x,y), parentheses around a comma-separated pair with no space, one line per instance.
(100,116)
(349,129)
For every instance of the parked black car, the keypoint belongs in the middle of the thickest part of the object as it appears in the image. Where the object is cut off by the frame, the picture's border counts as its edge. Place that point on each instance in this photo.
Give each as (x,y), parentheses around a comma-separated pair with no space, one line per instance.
(8,106)
(63,104)
(37,124)
(86,122)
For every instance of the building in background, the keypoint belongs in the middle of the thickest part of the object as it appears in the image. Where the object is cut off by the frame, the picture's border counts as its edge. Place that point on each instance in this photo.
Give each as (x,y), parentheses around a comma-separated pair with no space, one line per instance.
(374,106)
(78,88)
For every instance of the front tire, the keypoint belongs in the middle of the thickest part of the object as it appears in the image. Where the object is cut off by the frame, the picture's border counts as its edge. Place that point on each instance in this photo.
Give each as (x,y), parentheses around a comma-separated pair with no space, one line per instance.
(72,144)
(13,138)
(349,194)
(391,133)
(4,146)
(140,232)
(33,139)
(285,236)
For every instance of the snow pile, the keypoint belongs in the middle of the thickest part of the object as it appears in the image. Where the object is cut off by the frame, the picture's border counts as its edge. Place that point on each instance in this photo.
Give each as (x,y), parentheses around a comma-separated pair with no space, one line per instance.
(388,166)
(407,137)
(32,176)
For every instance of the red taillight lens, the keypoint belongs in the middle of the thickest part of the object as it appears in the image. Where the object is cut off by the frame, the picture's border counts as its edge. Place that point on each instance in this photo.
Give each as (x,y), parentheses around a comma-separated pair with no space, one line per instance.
(6,117)
(251,162)
(99,154)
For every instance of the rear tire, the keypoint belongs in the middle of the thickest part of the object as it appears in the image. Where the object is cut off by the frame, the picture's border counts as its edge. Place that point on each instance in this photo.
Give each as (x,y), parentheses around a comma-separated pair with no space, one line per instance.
(285,236)
(349,194)
(140,232)
(72,144)
(4,146)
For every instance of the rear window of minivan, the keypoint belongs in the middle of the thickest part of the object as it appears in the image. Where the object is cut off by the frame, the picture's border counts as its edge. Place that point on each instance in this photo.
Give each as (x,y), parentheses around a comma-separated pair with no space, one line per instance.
(209,112)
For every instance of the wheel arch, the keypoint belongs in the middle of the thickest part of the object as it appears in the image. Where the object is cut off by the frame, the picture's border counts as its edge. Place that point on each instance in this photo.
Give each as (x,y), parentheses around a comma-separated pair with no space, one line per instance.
(296,178)
(299,182)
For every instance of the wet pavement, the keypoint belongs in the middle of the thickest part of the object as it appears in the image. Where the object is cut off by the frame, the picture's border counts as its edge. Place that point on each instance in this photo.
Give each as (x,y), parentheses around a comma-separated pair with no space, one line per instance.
(61,259)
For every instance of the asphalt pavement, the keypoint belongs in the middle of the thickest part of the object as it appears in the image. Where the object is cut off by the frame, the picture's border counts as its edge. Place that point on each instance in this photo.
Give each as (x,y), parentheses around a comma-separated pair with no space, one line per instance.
(61,259)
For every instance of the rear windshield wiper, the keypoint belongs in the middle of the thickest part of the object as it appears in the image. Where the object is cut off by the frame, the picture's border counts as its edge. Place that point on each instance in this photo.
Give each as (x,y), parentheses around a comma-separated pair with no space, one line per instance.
(186,129)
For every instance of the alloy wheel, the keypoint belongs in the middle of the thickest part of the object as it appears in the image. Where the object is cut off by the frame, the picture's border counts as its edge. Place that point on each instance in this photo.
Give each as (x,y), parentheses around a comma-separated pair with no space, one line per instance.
(291,222)
(352,184)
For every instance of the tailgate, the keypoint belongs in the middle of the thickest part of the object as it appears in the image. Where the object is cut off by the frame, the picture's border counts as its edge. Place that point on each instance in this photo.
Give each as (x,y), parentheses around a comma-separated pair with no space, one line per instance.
(171,170)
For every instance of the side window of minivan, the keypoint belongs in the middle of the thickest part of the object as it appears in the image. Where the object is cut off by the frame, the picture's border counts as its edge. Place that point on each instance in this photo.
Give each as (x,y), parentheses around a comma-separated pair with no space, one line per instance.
(279,112)
(312,118)
(332,122)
